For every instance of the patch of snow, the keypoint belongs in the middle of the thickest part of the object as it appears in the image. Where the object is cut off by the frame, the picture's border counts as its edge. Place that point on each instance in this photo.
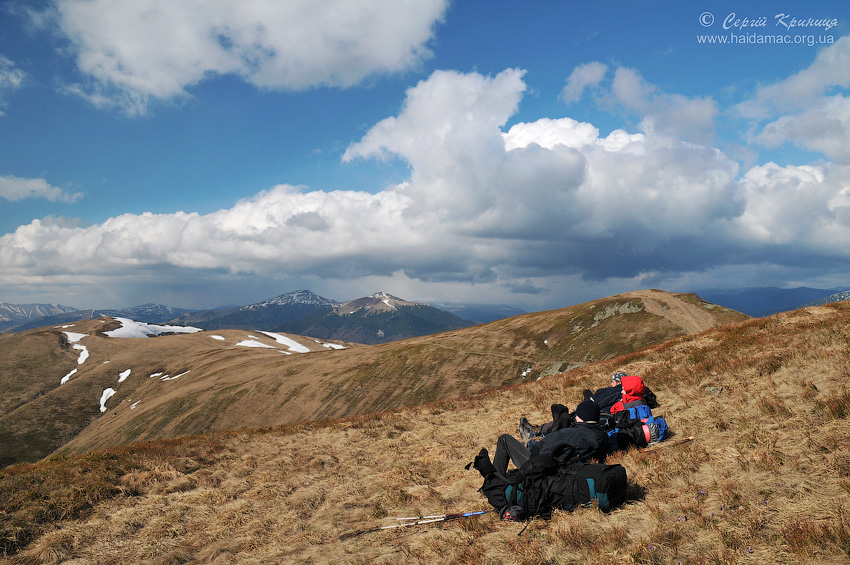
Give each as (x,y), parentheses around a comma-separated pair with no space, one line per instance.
(155,375)
(107,394)
(84,353)
(74,337)
(290,343)
(167,378)
(131,328)
(253,343)
(218,337)
(123,376)
(333,346)
(133,405)
(66,377)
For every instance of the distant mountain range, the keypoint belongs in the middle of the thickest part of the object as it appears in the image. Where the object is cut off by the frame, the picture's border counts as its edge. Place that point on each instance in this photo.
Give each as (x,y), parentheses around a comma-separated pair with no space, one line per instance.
(20,317)
(765,301)
(13,314)
(371,319)
(374,319)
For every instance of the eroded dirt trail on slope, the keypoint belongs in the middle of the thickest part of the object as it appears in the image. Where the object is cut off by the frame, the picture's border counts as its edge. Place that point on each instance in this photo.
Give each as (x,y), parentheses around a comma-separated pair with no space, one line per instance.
(691,318)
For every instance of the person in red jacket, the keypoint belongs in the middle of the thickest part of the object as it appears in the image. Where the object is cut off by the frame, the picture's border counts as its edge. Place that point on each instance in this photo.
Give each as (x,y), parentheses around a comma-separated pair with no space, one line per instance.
(634,392)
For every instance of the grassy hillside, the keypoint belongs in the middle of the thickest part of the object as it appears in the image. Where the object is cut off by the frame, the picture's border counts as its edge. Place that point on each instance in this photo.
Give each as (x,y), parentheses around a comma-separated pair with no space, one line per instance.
(222,386)
(766,479)
(38,414)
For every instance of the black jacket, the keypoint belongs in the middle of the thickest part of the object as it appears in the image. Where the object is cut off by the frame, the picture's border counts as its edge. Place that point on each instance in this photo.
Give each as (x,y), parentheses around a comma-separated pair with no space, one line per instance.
(580,443)
(606,397)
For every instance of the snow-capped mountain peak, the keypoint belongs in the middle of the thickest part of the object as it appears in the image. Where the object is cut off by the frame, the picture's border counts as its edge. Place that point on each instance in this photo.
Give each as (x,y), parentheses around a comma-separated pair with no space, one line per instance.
(299,297)
(376,302)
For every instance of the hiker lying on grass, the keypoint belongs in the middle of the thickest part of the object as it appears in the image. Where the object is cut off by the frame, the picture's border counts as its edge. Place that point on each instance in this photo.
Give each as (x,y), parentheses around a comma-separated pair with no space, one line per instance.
(635,393)
(626,391)
(624,388)
(561,416)
(605,398)
(585,440)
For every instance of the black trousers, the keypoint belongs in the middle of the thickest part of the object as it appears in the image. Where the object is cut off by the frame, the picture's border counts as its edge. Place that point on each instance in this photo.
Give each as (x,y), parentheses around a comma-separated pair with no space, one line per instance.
(509,448)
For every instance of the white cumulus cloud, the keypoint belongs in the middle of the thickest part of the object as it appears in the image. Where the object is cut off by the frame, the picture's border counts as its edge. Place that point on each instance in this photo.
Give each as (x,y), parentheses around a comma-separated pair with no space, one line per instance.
(824,127)
(806,109)
(521,208)
(582,78)
(155,49)
(830,69)
(15,188)
(675,115)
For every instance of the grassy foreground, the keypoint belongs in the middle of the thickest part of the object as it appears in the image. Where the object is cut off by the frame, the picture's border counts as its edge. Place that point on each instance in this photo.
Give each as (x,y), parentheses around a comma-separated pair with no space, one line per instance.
(766,479)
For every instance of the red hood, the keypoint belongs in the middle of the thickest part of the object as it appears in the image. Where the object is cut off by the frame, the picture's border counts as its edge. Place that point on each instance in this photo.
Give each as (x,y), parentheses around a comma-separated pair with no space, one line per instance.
(633,388)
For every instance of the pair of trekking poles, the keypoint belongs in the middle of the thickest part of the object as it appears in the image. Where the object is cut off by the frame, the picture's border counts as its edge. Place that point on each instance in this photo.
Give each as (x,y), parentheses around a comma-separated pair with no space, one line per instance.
(419,520)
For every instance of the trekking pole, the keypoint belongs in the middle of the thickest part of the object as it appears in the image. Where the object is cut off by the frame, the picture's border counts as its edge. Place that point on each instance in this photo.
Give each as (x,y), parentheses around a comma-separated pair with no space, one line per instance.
(424,520)
(665,445)
(421,517)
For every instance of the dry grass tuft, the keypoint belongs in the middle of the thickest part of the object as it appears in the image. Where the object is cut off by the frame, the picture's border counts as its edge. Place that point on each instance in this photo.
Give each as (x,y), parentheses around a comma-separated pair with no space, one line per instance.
(836,405)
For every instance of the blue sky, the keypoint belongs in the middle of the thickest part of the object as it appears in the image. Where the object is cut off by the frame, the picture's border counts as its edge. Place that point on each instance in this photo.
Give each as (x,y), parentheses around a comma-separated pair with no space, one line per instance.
(533,154)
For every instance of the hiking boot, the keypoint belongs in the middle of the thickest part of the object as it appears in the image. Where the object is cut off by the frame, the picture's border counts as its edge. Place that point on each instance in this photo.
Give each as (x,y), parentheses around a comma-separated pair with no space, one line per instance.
(557,411)
(526,430)
(654,435)
(513,514)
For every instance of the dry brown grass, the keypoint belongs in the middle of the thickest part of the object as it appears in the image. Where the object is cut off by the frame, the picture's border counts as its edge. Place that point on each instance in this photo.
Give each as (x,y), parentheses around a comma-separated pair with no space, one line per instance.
(767,479)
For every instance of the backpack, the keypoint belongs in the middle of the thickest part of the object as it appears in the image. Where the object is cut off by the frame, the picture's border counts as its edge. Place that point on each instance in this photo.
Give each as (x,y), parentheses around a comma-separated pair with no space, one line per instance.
(603,483)
(541,485)
(632,428)
(639,412)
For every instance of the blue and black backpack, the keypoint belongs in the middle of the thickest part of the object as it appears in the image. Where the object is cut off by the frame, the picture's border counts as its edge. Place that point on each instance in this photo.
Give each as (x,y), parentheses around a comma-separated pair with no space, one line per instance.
(542,485)
(634,427)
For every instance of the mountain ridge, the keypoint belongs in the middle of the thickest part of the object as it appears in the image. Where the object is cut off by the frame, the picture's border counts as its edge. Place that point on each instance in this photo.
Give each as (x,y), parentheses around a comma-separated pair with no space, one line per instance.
(241,378)
(286,312)
(377,318)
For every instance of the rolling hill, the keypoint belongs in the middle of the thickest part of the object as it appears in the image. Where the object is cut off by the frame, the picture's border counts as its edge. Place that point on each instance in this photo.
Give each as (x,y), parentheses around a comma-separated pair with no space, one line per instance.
(202,382)
(766,479)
